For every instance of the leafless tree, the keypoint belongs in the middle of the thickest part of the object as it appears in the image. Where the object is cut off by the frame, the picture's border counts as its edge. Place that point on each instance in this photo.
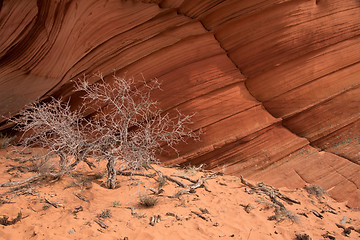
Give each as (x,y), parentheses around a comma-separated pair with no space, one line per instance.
(126,126)
(133,129)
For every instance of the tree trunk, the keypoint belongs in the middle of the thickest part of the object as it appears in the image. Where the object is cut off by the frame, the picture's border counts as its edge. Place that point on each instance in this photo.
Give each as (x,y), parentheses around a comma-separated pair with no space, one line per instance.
(111,180)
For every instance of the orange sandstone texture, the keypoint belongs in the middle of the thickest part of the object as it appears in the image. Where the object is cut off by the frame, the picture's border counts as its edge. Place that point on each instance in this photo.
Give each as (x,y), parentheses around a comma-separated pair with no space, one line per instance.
(265,78)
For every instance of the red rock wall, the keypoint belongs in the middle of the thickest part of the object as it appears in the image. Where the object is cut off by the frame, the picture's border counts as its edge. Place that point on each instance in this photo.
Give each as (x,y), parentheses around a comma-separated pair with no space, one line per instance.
(274,83)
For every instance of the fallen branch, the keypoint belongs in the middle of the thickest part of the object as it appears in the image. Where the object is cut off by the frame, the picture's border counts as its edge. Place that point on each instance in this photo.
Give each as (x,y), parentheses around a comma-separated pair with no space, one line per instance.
(156,191)
(163,178)
(53,203)
(317,214)
(21,182)
(200,215)
(33,179)
(176,181)
(78,195)
(191,189)
(101,223)
(5,220)
(185,177)
(269,191)
(347,230)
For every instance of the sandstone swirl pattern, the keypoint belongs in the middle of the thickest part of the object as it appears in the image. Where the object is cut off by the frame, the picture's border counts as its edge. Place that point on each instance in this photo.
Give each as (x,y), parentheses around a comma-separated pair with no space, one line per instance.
(275,83)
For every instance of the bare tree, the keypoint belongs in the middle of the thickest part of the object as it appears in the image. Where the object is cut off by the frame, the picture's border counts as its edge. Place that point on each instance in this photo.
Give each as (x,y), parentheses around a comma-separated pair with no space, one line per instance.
(126,126)
(132,128)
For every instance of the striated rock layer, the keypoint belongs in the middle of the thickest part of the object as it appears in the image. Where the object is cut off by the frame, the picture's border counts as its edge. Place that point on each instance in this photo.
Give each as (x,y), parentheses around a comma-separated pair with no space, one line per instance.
(275,83)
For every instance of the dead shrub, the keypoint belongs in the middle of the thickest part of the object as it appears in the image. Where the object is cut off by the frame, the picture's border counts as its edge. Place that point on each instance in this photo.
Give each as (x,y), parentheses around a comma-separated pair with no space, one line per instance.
(316,190)
(104,214)
(5,141)
(126,127)
(148,201)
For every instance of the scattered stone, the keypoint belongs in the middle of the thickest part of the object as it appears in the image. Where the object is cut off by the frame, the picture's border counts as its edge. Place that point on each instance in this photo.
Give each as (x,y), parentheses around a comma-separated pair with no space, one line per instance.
(303,237)
(170,214)
(78,209)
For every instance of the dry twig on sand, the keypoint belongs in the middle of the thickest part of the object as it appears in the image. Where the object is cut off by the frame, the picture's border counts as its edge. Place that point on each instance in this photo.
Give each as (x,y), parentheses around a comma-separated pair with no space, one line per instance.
(34,178)
(53,203)
(101,223)
(6,222)
(81,197)
(273,194)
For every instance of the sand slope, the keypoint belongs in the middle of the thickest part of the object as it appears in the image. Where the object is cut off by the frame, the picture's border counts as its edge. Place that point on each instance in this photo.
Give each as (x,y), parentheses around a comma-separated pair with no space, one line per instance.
(224,211)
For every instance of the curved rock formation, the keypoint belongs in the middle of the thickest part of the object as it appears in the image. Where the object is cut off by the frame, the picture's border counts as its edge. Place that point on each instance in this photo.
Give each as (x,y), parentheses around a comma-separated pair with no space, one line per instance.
(275,83)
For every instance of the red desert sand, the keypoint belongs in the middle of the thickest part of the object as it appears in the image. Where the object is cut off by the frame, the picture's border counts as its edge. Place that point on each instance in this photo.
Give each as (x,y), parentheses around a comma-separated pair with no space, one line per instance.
(223,207)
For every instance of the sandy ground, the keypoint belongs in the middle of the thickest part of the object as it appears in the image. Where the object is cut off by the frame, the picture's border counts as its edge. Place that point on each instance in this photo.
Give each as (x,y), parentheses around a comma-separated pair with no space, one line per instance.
(228,210)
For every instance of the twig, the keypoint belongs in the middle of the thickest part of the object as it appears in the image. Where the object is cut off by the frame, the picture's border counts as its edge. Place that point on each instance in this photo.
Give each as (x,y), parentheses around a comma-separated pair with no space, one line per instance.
(303,214)
(176,181)
(53,203)
(132,210)
(5,222)
(81,197)
(156,192)
(191,189)
(22,169)
(184,177)
(249,234)
(200,215)
(317,214)
(101,223)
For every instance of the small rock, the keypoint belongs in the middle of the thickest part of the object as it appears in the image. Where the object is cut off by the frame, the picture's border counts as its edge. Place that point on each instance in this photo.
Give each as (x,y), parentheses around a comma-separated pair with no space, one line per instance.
(303,237)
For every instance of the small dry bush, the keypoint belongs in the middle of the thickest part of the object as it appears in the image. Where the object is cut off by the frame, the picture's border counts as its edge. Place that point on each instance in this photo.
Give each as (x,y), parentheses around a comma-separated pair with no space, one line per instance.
(147,201)
(104,214)
(280,212)
(316,190)
(5,141)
